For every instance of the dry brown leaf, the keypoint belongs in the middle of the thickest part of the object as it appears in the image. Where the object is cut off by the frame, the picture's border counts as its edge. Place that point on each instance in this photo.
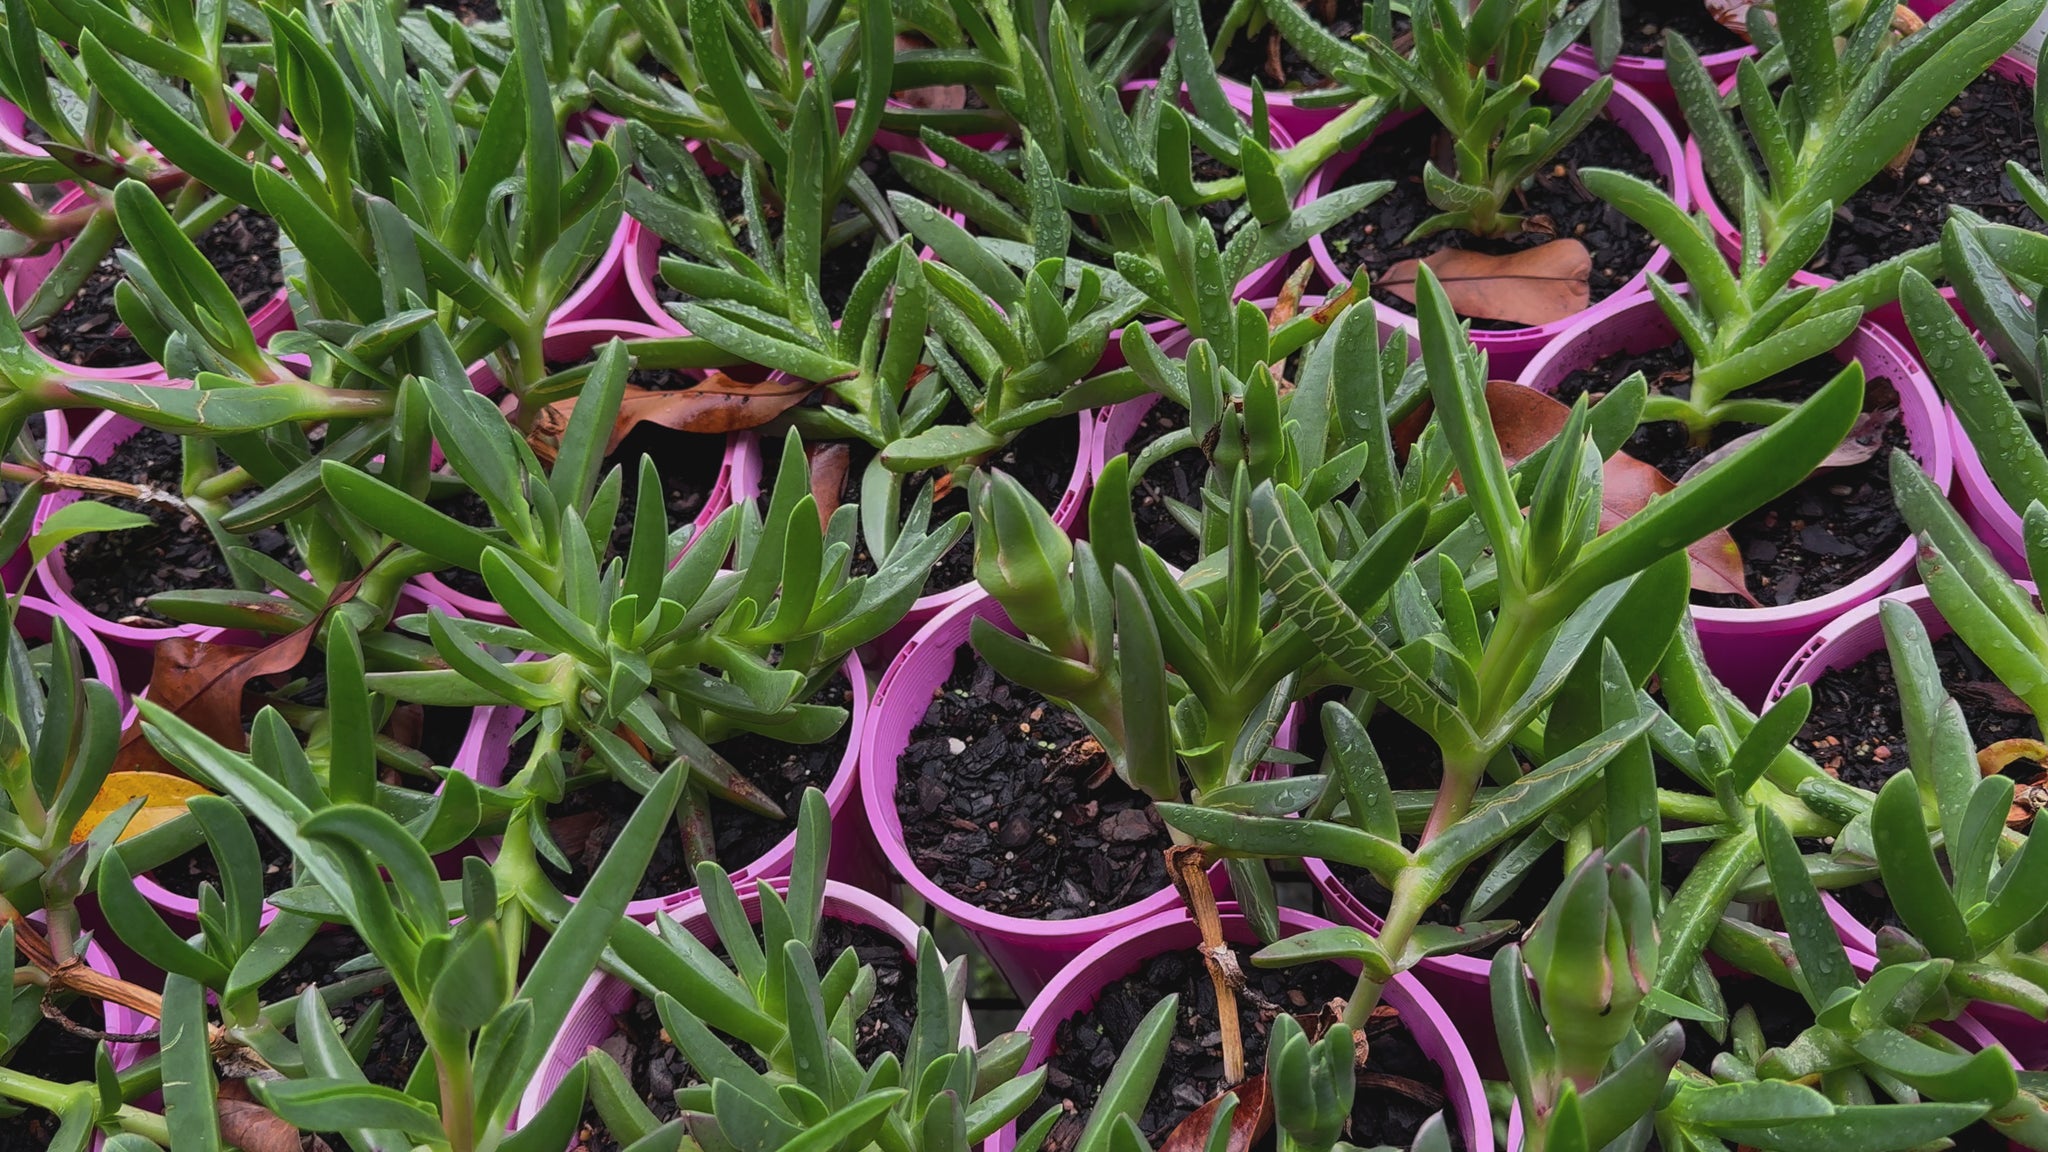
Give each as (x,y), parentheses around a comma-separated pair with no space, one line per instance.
(1289,303)
(1533,286)
(714,406)
(1864,441)
(938,97)
(829,464)
(163,800)
(1248,1125)
(1525,420)
(202,683)
(250,1126)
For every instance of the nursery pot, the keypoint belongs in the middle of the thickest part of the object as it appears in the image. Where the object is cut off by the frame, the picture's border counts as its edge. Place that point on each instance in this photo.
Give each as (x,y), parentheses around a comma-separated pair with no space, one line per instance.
(1728,233)
(1649,75)
(1127,949)
(182,911)
(592,1019)
(1857,634)
(55,425)
(640,247)
(93,447)
(26,274)
(1509,349)
(1744,645)
(1027,951)
(487,748)
(570,341)
(1983,507)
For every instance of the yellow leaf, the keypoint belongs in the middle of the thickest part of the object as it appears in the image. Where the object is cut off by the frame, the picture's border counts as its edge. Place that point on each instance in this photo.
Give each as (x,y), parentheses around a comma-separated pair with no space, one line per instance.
(163,800)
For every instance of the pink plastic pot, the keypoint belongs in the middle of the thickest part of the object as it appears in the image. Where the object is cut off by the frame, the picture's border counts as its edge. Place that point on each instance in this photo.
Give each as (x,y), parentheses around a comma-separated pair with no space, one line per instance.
(487,747)
(1508,350)
(570,341)
(1027,952)
(1855,635)
(604,293)
(1745,645)
(181,910)
(1459,983)
(13,132)
(1729,234)
(592,1019)
(1127,949)
(641,249)
(1647,74)
(1263,280)
(1983,507)
(26,274)
(55,429)
(106,433)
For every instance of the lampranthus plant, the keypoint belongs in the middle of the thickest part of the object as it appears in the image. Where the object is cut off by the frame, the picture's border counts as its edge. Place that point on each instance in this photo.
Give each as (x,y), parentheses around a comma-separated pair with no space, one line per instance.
(1477,73)
(1556,592)
(1746,325)
(1854,98)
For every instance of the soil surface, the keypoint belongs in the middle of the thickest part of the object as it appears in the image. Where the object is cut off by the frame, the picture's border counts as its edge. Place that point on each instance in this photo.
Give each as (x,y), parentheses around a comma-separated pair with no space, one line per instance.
(468,11)
(1555,204)
(88,331)
(1959,159)
(1857,733)
(185,874)
(398,1044)
(1011,805)
(114,573)
(590,818)
(840,268)
(657,1069)
(1644,22)
(1399,1087)
(1827,532)
(56,1054)
(1177,478)
(1041,458)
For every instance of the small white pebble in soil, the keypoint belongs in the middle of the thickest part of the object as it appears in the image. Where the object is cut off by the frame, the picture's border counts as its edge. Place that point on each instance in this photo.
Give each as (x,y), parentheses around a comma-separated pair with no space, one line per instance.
(955,745)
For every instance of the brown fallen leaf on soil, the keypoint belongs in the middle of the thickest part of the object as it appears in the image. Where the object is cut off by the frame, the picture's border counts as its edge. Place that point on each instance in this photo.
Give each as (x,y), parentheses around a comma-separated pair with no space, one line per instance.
(163,800)
(937,97)
(1248,1124)
(250,1126)
(829,464)
(1862,442)
(1524,420)
(202,682)
(2030,788)
(1533,286)
(714,406)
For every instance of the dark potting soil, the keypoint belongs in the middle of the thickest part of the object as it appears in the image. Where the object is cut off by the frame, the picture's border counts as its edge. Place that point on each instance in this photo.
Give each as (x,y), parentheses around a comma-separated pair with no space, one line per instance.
(1857,733)
(590,818)
(1824,534)
(1177,478)
(1644,22)
(1960,159)
(1415,763)
(1398,1089)
(1009,803)
(88,331)
(839,268)
(656,1069)
(442,731)
(185,874)
(114,573)
(56,1054)
(468,11)
(1041,458)
(398,1045)
(1374,237)
(1269,58)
